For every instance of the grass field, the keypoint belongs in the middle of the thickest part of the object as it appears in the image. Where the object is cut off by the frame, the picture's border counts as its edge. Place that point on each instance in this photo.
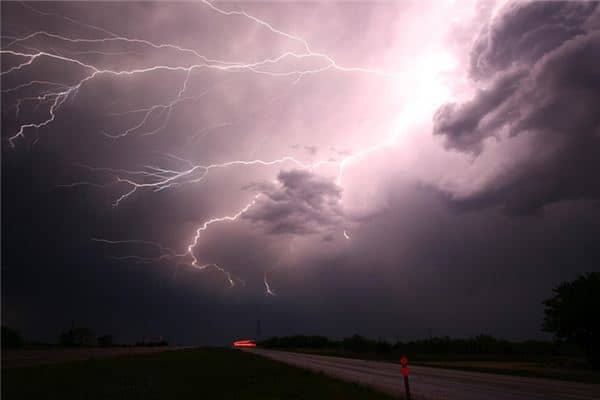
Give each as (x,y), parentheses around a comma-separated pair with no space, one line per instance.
(526,369)
(198,374)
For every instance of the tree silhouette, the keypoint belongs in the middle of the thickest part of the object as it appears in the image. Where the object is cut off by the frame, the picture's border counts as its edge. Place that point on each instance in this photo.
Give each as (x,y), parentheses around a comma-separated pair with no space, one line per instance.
(573,314)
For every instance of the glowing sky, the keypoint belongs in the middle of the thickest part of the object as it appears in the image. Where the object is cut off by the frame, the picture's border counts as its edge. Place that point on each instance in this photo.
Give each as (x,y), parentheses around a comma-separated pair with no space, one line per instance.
(405,166)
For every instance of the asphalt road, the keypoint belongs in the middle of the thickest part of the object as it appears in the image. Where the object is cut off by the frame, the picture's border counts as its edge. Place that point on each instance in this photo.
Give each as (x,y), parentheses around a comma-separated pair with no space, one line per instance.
(29,358)
(436,383)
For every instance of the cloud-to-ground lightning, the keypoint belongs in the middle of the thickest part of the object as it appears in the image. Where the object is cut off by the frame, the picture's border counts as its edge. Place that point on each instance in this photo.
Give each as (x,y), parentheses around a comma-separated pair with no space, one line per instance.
(206,224)
(268,289)
(155,177)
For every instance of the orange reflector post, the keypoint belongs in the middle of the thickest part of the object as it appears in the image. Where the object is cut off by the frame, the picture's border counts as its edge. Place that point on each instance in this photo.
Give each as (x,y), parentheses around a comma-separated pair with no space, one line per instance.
(404,363)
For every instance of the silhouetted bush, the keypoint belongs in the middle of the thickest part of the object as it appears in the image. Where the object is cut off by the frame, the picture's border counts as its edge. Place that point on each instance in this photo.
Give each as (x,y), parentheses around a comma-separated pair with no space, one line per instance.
(105,341)
(152,344)
(11,339)
(78,337)
(299,341)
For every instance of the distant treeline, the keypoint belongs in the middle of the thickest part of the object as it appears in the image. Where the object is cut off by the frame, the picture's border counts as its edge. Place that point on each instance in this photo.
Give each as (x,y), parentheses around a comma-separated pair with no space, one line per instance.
(75,337)
(152,344)
(478,345)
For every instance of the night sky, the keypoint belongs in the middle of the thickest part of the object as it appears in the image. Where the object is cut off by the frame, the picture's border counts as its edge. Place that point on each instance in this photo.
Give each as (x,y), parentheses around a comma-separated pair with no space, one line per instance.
(394,169)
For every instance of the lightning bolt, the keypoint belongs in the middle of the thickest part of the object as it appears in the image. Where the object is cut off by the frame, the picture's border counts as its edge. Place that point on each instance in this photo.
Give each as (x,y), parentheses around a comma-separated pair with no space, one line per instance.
(205,225)
(153,177)
(167,178)
(268,286)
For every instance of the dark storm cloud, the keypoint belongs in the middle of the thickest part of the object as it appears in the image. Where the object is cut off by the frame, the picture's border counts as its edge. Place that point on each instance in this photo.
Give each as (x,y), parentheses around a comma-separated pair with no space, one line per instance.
(549,93)
(466,125)
(523,33)
(300,203)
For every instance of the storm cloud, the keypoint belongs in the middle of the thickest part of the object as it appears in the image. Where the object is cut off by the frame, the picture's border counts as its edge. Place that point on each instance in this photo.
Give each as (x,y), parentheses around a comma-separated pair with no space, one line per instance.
(300,203)
(536,69)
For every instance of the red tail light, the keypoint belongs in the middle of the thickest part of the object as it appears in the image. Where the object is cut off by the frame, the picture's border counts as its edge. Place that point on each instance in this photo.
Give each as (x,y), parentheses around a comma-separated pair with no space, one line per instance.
(244,343)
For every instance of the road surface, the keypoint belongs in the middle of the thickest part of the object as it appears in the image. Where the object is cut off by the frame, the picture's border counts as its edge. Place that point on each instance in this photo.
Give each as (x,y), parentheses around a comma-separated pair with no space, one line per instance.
(28,358)
(436,383)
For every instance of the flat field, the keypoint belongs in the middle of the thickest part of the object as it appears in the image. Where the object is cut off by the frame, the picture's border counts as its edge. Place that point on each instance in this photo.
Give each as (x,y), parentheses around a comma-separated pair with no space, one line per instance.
(198,374)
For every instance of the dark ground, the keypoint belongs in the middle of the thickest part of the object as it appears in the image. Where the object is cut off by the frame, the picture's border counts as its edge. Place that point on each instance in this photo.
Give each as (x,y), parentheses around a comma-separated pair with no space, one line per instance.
(200,373)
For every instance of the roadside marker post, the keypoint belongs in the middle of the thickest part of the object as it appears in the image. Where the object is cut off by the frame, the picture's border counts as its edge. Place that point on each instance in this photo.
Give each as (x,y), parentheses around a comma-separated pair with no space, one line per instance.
(404,363)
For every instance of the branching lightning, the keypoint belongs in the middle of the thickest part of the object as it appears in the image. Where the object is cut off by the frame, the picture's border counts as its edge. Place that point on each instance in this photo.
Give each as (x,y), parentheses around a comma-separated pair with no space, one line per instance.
(154,177)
